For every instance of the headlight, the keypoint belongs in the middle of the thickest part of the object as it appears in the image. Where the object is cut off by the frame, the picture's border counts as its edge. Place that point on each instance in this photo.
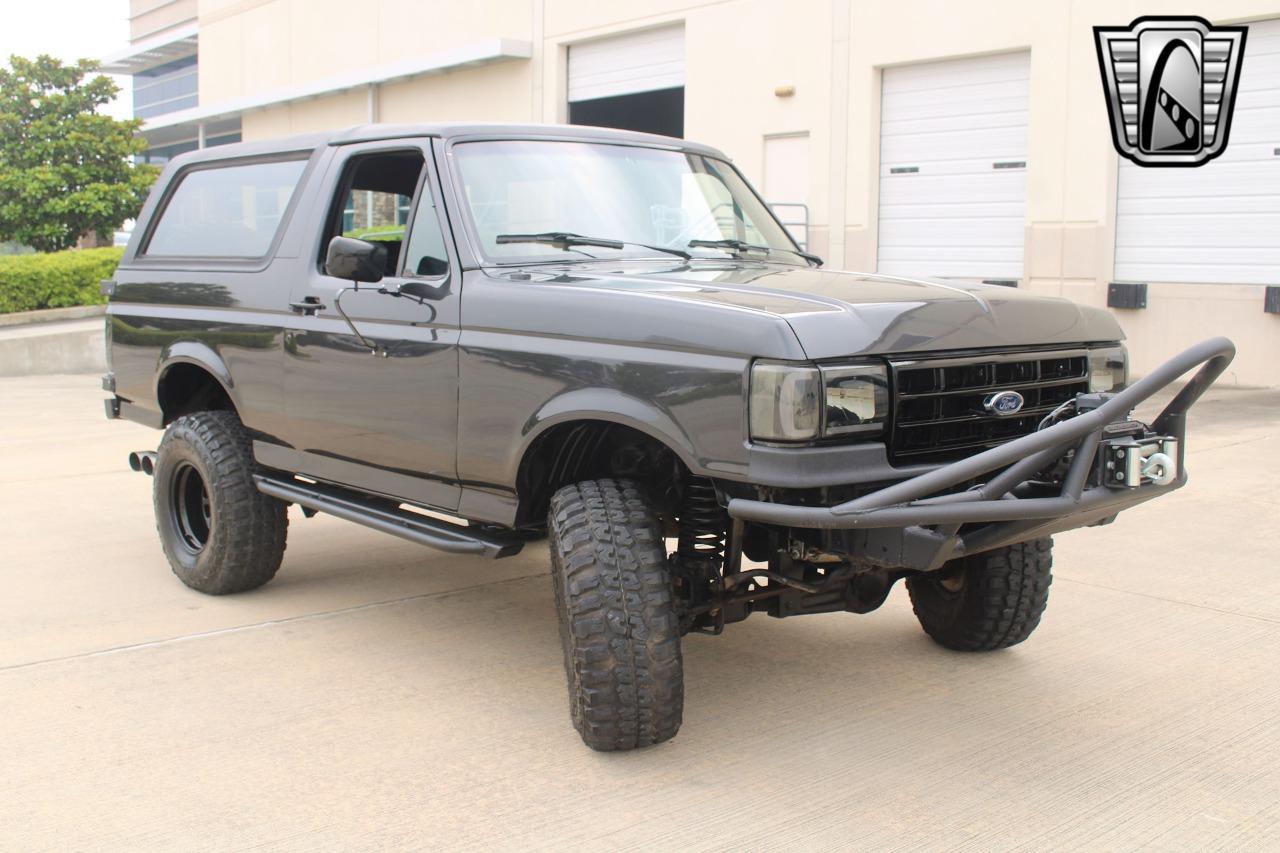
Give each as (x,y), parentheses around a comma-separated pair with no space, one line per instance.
(792,402)
(1108,369)
(856,399)
(784,402)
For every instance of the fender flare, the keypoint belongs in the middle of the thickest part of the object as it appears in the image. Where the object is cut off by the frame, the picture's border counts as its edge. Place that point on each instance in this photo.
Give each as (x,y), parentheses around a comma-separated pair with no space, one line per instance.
(610,406)
(202,356)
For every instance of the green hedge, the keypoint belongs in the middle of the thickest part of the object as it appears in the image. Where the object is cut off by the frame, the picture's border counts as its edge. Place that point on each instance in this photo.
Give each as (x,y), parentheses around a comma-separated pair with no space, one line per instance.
(377,232)
(55,280)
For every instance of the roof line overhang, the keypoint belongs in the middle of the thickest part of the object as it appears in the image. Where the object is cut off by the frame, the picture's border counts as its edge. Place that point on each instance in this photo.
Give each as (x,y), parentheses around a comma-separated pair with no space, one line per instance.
(478,53)
(173,43)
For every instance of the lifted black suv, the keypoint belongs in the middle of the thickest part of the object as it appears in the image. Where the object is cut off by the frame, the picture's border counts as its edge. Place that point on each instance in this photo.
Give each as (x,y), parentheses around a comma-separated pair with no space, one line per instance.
(609,336)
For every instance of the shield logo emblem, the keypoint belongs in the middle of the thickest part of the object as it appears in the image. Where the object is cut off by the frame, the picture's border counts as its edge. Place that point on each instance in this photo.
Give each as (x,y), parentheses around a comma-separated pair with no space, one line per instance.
(1170,84)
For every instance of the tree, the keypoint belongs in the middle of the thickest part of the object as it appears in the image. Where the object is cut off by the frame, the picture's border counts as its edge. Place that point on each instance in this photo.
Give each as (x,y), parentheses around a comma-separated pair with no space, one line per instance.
(65,169)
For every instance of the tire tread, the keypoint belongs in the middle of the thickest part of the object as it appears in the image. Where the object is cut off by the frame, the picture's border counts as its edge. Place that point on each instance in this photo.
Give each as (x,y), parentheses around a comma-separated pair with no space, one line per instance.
(618,624)
(1004,595)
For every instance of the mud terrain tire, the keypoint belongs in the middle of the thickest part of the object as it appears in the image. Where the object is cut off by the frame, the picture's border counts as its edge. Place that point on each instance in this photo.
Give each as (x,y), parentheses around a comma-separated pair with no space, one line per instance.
(618,625)
(220,534)
(987,601)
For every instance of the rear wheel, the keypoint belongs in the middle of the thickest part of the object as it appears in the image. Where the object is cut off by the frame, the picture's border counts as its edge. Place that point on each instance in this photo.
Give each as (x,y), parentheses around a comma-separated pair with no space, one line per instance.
(220,534)
(987,601)
(618,624)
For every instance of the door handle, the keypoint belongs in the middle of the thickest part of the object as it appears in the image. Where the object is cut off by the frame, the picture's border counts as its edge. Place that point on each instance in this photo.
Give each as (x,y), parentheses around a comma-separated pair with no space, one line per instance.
(308,306)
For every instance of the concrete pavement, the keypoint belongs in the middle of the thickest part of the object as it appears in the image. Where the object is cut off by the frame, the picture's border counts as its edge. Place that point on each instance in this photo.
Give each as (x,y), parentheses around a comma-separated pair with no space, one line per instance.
(379,695)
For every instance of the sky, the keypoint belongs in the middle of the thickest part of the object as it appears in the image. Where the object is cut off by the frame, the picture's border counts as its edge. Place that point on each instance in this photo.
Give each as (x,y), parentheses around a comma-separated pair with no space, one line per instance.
(69,30)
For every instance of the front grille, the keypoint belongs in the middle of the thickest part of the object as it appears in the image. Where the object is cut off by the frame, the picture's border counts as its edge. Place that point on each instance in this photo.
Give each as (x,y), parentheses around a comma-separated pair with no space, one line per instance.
(938,412)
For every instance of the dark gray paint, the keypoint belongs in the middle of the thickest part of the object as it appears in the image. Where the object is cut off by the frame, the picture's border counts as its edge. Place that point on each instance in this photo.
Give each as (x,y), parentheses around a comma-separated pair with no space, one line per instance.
(385,423)
(476,374)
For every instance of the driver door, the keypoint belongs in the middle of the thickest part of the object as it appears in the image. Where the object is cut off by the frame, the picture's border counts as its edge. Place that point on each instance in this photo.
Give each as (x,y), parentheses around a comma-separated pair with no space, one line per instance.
(384,423)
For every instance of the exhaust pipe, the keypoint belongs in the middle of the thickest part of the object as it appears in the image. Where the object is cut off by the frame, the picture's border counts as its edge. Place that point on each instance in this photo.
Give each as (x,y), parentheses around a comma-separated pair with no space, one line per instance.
(143,461)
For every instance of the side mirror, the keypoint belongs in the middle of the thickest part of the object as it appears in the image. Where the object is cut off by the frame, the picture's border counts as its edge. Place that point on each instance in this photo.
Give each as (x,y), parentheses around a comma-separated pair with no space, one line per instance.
(355,260)
(419,290)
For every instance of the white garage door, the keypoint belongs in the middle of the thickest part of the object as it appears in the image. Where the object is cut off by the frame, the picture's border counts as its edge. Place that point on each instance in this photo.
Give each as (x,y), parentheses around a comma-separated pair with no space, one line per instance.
(642,61)
(953,166)
(1219,222)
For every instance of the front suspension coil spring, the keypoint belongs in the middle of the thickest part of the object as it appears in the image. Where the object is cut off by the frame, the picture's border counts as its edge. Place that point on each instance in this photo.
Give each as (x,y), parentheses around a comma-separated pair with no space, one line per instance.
(704,526)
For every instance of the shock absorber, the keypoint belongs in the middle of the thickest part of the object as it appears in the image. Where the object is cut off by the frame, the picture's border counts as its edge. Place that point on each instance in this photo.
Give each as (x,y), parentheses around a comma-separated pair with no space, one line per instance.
(700,547)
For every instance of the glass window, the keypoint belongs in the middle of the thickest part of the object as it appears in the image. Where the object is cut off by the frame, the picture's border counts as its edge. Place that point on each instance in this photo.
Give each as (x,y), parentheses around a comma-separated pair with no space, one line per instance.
(617,192)
(166,89)
(426,255)
(227,211)
(374,215)
(373,201)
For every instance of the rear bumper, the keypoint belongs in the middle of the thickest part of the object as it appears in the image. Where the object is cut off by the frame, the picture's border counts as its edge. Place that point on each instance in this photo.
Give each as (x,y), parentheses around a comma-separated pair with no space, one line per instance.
(118,407)
(917,522)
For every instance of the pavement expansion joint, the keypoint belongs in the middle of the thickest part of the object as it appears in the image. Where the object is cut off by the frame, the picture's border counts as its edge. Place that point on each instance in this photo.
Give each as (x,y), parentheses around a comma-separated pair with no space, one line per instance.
(267,623)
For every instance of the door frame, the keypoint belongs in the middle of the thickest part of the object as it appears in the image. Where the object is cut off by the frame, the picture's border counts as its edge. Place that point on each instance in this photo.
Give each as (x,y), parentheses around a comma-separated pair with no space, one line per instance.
(437,489)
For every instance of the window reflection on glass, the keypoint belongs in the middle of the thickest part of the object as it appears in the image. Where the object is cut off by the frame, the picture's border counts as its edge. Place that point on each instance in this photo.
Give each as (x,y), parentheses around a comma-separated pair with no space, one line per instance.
(373,215)
(425,254)
(855,398)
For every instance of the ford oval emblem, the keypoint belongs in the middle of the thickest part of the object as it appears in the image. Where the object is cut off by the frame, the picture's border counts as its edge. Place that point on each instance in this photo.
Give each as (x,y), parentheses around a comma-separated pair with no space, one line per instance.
(1004,403)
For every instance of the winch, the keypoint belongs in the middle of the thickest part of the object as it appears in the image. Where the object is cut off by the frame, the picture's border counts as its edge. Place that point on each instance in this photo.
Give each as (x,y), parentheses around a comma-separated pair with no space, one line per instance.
(1129,462)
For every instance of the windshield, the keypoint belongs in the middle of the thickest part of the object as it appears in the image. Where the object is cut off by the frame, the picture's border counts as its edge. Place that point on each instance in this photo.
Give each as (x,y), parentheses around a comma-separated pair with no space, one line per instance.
(618,193)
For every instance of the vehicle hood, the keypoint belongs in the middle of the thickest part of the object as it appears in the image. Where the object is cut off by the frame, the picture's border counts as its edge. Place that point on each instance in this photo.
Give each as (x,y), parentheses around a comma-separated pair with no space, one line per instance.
(837,314)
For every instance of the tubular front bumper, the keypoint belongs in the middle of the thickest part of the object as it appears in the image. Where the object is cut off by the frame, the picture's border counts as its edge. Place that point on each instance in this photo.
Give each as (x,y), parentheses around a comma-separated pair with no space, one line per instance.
(916,523)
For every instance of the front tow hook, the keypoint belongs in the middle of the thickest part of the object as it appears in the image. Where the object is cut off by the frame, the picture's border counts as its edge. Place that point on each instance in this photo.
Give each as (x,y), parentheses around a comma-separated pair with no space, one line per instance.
(143,461)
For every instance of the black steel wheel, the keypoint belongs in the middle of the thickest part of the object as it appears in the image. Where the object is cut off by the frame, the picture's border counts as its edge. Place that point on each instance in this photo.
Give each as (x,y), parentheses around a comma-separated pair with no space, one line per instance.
(191,509)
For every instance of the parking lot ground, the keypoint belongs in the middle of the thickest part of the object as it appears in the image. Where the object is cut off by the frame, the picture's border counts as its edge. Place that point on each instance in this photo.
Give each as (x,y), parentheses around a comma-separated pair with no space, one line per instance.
(377,694)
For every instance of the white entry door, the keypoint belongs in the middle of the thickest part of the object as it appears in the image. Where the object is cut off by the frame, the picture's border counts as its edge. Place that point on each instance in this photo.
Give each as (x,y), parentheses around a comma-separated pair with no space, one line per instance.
(786,182)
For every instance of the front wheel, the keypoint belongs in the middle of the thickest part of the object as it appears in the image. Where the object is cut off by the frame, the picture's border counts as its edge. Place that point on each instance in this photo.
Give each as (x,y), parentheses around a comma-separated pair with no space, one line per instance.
(618,624)
(986,601)
(220,534)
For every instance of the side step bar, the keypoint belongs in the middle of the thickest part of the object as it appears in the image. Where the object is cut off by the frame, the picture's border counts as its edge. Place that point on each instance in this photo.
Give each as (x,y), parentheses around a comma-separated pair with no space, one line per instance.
(386,516)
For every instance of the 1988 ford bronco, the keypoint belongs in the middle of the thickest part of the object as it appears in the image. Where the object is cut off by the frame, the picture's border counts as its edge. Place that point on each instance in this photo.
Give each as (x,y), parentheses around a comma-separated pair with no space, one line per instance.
(609,337)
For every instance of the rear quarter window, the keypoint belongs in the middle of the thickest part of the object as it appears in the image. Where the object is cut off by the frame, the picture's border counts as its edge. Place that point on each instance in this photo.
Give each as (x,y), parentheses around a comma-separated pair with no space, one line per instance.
(229,211)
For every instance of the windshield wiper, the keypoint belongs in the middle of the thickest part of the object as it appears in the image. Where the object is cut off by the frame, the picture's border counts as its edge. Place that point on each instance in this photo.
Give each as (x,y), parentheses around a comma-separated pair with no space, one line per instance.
(567,240)
(736,245)
(743,246)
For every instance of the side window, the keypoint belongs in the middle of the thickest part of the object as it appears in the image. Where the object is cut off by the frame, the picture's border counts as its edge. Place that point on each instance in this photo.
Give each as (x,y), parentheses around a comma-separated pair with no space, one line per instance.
(225,211)
(426,255)
(374,200)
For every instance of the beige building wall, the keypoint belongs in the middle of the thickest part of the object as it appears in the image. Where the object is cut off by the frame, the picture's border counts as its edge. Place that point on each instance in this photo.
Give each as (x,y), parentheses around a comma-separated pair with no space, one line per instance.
(147,18)
(829,53)
(253,46)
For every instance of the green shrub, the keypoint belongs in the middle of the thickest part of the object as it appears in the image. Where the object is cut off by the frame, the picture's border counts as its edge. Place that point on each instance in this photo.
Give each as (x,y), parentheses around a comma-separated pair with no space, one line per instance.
(55,280)
(377,232)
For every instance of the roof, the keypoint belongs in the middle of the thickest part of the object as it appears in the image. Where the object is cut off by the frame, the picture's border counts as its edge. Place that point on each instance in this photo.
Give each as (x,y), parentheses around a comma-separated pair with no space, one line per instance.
(479,130)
